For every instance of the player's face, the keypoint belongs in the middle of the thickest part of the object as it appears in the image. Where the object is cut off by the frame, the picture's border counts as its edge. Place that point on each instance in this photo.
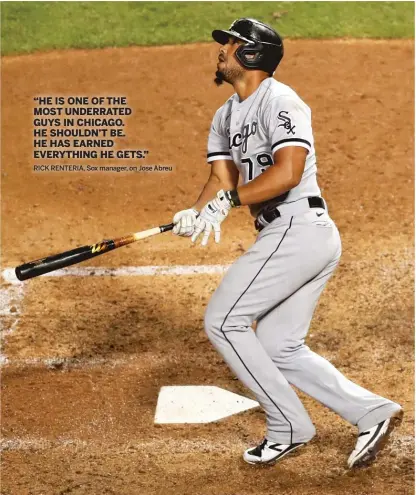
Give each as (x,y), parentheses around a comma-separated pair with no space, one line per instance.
(228,67)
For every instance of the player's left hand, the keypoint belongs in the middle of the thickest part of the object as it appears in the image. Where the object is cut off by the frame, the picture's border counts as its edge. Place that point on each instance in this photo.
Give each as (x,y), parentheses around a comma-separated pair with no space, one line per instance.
(211,217)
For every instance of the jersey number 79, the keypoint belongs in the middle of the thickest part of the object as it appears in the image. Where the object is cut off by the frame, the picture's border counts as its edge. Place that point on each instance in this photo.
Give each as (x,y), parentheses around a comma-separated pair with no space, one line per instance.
(262,161)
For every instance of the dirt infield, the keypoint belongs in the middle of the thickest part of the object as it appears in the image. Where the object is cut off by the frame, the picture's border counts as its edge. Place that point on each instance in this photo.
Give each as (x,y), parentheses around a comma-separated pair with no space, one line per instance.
(85,356)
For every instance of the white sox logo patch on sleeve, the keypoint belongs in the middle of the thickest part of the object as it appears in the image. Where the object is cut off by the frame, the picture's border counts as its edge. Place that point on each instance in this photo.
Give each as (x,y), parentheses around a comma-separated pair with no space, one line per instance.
(287,123)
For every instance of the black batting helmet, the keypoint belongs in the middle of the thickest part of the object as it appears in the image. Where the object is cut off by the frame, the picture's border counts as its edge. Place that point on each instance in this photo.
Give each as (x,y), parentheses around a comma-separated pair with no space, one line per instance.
(264,46)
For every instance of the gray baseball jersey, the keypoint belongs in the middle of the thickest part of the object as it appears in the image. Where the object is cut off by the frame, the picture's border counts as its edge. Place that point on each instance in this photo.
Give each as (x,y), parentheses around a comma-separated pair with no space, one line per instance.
(249,132)
(278,281)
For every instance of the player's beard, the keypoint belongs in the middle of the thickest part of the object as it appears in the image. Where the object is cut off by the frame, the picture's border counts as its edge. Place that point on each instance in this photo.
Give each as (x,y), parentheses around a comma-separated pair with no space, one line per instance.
(228,75)
(219,78)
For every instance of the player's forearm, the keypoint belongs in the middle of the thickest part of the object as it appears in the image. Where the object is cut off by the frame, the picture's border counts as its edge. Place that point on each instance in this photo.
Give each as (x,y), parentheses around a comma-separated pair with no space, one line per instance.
(213,185)
(222,178)
(276,180)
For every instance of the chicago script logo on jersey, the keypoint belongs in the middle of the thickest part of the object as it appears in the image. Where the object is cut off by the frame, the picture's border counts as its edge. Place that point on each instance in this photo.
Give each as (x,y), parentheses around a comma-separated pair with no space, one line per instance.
(241,138)
(287,123)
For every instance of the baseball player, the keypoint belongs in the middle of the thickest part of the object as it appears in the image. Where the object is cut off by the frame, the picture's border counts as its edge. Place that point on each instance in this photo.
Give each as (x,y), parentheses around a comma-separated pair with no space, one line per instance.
(263,135)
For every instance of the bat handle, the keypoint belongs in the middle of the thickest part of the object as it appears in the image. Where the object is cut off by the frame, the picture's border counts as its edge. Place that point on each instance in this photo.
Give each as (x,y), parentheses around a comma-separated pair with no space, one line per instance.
(167,227)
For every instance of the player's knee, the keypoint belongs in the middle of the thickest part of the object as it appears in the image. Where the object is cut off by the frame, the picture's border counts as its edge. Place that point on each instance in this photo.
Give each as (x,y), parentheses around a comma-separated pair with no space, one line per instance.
(216,322)
(219,320)
(211,322)
(214,315)
(272,348)
(286,355)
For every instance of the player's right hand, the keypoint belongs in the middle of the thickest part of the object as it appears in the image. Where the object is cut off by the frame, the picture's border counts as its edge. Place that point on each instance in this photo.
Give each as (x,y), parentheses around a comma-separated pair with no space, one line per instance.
(211,217)
(185,222)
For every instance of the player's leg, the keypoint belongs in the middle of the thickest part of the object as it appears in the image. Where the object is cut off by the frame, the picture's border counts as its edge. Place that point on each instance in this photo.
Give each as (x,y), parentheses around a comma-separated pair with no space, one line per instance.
(282,332)
(282,260)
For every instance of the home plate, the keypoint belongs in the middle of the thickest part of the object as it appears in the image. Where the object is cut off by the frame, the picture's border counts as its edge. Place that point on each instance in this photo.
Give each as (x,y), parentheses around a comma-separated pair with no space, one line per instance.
(198,404)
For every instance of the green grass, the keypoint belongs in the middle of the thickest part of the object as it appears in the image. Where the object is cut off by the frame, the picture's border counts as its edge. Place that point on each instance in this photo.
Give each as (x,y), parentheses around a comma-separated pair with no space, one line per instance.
(31,26)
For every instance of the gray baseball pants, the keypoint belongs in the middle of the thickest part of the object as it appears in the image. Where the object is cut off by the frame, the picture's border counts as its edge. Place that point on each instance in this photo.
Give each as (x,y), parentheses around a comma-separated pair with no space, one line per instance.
(277,283)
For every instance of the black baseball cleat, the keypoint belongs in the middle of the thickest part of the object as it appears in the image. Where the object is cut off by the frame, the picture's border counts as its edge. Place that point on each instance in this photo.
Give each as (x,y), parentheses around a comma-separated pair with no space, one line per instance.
(269,452)
(371,441)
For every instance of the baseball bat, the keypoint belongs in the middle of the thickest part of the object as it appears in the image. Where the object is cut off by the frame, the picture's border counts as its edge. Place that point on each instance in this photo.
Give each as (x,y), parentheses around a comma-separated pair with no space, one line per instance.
(68,258)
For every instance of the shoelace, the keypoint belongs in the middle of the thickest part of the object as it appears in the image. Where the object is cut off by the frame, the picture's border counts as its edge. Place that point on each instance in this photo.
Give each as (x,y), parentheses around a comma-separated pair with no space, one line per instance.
(263,444)
(259,449)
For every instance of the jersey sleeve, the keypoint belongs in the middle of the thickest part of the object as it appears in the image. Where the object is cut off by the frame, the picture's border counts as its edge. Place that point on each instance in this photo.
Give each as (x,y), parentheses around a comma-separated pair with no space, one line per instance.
(288,123)
(218,143)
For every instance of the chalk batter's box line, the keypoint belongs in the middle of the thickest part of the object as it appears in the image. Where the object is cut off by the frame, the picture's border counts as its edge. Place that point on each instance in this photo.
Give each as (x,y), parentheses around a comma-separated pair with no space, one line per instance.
(132,271)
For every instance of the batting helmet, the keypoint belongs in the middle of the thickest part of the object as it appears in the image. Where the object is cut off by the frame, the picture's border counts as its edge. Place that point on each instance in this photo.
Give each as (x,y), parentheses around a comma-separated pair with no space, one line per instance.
(263,48)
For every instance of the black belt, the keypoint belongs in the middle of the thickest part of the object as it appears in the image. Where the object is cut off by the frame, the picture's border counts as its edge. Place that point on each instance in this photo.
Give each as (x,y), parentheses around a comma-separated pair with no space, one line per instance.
(270,215)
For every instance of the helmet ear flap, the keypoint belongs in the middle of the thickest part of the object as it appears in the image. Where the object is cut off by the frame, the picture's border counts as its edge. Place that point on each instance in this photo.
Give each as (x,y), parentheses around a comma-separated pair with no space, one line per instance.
(250,55)
(259,55)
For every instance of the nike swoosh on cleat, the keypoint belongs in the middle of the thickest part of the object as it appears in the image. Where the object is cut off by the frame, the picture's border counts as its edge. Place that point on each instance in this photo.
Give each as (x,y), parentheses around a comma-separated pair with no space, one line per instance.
(379,427)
